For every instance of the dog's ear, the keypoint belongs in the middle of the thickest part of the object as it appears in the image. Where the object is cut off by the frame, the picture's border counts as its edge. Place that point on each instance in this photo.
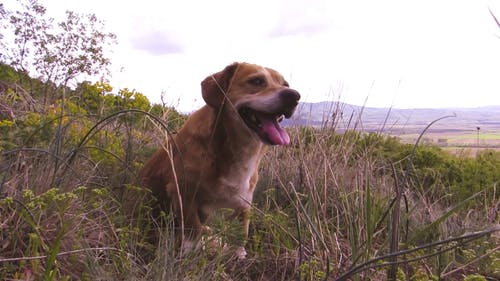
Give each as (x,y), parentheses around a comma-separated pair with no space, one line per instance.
(215,87)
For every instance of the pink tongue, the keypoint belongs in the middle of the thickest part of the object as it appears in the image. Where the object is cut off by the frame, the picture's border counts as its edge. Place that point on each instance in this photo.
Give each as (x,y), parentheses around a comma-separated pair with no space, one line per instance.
(274,132)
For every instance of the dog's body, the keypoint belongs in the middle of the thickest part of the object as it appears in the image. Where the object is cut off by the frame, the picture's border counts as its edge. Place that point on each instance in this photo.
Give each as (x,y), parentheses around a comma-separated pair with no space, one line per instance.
(213,160)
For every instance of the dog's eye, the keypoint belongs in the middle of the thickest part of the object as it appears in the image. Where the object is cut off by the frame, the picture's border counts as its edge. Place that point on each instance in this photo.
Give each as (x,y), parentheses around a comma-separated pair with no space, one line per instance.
(257,81)
(286,84)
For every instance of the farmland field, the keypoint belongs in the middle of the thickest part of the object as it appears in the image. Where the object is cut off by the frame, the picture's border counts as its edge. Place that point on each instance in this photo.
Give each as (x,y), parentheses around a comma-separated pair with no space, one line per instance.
(460,143)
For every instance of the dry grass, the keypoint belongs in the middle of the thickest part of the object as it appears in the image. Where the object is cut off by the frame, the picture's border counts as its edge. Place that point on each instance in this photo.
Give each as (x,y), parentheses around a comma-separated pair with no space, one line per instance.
(324,209)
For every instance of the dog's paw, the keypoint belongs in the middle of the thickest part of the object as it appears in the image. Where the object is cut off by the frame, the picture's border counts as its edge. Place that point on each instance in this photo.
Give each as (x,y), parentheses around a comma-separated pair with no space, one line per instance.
(188,246)
(213,244)
(206,230)
(241,253)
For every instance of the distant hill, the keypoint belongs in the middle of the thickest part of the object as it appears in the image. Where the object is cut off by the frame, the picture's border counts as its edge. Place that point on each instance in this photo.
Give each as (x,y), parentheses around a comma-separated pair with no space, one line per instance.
(346,116)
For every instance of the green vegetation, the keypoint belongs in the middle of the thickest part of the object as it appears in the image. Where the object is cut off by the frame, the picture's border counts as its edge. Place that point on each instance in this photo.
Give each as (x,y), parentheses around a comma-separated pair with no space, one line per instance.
(333,206)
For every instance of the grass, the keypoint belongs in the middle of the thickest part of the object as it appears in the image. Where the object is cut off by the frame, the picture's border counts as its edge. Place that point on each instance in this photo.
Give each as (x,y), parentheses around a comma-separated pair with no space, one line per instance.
(482,136)
(326,208)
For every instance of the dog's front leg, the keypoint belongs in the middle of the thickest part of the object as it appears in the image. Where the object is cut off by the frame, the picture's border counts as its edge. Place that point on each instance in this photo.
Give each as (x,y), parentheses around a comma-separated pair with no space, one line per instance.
(188,218)
(244,216)
(193,229)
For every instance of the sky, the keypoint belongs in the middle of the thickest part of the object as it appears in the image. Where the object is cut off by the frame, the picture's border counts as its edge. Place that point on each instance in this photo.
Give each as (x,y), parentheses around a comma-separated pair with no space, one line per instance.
(404,54)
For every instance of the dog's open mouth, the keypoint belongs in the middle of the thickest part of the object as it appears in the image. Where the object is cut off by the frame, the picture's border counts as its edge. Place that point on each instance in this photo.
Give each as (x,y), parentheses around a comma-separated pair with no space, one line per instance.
(266,125)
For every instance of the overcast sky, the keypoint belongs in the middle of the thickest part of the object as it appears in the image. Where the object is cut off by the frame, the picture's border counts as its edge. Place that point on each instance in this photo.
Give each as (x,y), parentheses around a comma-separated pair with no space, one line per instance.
(406,54)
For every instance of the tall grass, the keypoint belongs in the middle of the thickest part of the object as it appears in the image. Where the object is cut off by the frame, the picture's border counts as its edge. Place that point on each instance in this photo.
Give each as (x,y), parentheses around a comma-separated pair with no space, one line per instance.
(329,207)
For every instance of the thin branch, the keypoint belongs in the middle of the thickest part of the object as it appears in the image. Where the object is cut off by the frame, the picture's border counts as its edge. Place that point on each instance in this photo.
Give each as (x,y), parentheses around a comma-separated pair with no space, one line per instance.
(61,254)
(471,262)
(412,155)
(367,265)
(34,149)
(494,17)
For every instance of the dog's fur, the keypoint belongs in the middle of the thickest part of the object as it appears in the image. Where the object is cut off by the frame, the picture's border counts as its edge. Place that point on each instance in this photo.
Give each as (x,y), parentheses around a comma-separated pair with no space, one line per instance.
(212,162)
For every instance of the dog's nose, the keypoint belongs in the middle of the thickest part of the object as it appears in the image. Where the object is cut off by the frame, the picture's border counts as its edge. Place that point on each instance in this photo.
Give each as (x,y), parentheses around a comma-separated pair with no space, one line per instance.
(290,97)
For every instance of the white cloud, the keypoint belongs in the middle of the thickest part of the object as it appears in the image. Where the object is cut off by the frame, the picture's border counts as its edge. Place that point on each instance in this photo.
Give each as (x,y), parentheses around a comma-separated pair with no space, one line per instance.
(156,43)
(301,18)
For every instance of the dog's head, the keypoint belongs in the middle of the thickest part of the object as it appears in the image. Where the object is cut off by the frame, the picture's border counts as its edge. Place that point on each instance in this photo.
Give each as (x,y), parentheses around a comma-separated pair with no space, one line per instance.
(259,96)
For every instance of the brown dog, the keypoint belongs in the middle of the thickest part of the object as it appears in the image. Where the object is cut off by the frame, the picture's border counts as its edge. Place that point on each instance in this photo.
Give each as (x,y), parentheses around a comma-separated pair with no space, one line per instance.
(212,162)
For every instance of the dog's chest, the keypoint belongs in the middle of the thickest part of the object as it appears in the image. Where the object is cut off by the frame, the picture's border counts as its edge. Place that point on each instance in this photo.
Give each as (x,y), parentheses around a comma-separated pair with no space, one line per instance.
(234,187)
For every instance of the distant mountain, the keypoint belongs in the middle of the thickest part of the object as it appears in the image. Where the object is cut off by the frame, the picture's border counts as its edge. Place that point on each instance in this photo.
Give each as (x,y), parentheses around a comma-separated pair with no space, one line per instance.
(346,116)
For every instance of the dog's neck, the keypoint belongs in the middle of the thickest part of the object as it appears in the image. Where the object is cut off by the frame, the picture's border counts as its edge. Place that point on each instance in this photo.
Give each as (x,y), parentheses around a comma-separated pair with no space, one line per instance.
(225,136)
(232,139)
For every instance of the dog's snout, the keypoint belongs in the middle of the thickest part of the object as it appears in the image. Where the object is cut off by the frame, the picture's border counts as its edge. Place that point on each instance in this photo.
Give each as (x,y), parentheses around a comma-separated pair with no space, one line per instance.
(290,97)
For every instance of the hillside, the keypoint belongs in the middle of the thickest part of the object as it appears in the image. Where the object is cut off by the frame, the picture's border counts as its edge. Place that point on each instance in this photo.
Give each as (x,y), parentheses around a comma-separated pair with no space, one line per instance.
(397,121)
